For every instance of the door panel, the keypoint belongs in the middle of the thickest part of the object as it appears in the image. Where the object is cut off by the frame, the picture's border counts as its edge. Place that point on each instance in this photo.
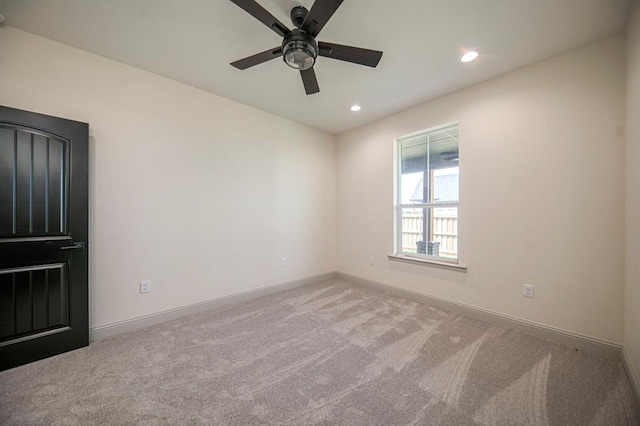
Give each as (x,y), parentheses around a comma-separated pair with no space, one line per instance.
(34,299)
(34,184)
(43,214)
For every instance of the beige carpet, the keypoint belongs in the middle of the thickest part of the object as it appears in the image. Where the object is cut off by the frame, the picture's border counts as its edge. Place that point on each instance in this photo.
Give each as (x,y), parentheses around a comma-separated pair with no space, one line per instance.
(326,353)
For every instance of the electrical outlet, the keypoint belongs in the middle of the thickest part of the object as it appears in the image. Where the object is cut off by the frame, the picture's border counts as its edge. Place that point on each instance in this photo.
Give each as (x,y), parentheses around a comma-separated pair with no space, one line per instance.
(527,290)
(371,261)
(283,262)
(145,286)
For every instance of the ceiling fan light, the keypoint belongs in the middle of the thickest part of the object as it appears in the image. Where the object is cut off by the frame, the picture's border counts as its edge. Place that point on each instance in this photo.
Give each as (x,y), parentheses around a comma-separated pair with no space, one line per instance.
(299,55)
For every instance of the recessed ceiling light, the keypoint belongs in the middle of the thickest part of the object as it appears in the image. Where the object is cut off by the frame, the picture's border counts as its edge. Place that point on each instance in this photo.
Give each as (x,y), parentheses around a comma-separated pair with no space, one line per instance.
(356,108)
(469,56)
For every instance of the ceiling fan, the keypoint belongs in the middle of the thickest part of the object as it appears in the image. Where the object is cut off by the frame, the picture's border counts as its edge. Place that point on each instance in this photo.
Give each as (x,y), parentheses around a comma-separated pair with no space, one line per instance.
(299,48)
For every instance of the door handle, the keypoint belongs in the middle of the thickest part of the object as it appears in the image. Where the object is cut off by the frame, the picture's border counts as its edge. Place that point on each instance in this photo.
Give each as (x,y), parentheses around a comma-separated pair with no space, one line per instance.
(75,246)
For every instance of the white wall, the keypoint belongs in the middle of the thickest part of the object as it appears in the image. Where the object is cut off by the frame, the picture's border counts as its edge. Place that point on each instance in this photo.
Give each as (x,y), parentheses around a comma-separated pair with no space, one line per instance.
(542,193)
(197,193)
(632,277)
(234,189)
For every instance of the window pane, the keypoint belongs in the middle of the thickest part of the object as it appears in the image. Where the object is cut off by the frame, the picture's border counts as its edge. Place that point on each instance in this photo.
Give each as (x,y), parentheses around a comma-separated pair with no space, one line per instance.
(430,231)
(445,184)
(414,167)
(413,224)
(429,167)
(444,231)
(412,188)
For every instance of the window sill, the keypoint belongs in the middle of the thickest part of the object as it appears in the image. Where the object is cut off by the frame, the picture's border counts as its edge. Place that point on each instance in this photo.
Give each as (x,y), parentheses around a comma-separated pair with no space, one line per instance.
(428,262)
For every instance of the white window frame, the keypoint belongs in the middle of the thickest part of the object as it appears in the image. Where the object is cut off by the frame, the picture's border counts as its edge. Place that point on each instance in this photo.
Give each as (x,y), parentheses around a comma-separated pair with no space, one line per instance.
(398,206)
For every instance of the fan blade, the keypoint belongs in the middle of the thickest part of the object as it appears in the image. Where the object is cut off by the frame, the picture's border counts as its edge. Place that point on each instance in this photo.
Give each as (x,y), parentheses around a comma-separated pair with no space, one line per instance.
(262,15)
(258,58)
(320,13)
(310,81)
(356,55)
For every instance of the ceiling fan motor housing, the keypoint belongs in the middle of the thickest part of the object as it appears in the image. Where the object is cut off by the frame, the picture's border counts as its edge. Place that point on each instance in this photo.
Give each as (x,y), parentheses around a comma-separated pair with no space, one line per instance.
(299,50)
(298,15)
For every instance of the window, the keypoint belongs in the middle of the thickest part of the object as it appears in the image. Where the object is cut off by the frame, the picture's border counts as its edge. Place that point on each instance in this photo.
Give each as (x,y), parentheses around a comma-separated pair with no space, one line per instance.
(427,194)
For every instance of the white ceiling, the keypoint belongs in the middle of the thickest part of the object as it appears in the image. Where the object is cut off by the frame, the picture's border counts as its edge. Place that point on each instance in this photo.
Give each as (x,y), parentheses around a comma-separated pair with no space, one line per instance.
(193,41)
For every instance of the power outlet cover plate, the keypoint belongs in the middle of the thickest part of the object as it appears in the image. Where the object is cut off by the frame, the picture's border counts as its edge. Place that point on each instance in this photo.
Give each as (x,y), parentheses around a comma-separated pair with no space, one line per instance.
(145,286)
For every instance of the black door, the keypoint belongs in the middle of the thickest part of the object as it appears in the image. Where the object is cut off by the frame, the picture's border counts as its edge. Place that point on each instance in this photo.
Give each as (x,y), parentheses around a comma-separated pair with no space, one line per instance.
(43,236)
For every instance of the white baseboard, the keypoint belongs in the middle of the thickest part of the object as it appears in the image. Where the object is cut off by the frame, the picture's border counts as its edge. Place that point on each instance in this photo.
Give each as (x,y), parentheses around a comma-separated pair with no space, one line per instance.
(576,340)
(631,373)
(108,330)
